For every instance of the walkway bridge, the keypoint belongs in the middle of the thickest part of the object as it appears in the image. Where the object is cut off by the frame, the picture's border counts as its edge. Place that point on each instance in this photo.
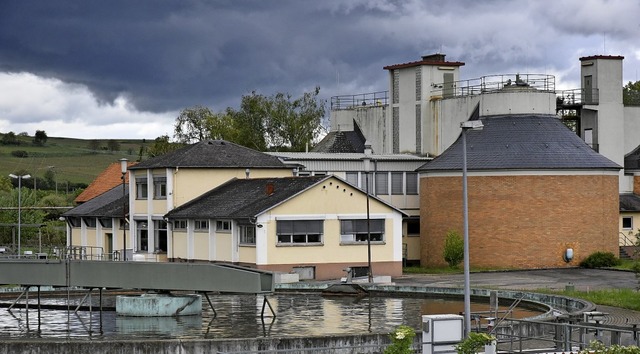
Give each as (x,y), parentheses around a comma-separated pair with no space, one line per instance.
(200,277)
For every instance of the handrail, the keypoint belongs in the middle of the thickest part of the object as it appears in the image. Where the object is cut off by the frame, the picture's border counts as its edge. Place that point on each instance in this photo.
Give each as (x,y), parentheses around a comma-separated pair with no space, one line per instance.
(361,100)
(495,83)
(508,312)
(626,241)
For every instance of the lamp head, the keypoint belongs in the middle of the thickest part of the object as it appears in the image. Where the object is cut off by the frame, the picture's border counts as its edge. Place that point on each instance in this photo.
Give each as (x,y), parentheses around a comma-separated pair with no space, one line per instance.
(123,165)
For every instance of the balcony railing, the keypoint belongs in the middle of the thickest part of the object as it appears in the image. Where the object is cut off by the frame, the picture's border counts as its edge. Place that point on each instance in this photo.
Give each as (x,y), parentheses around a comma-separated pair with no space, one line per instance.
(495,83)
(379,98)
(577,97)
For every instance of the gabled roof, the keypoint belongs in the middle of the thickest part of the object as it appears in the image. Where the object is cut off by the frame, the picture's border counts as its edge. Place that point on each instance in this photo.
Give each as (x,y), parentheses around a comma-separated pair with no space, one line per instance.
(521,142)
(248,198)
(212,154)
(342,141)
(107,179)
(629,202)
(243,198)
(108,204)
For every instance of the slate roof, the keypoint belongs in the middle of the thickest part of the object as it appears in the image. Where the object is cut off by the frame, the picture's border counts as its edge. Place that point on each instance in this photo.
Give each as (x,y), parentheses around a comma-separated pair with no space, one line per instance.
(106,180)
(107,204)
(632,160)
(342,141)
(243,198)
(629,202)
(213,154)
(521,142)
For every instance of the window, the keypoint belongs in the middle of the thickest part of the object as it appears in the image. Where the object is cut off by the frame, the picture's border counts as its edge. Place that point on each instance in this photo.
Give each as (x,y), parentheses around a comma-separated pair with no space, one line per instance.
(74,221)
(247,234)
(627,222)
(396,183)
(180,224)
(141,188)
(413,227)
(201,225)
(223,225)
(352,177)
(382,183)
(363,181)
(412,183)
(299,231)
(106,222)
(142,229)
(159,187)
(160,235)
(90,222)
(356,230)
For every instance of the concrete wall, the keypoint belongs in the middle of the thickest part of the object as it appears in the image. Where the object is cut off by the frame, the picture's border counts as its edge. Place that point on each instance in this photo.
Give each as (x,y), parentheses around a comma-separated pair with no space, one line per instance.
(372,122)
(366,343)
(522,221)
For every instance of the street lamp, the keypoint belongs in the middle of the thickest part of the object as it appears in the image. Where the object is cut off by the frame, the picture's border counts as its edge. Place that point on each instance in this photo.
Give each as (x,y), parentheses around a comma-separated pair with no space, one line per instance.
(20,178)
(367,161)
(468,125)
(123,170)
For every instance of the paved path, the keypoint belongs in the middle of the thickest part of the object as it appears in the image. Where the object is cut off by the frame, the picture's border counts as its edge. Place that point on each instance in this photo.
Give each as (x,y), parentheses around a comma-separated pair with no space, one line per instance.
(554,279)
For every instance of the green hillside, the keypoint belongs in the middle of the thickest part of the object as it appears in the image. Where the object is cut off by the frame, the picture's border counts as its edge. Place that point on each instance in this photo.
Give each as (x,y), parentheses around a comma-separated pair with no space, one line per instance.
(76,161)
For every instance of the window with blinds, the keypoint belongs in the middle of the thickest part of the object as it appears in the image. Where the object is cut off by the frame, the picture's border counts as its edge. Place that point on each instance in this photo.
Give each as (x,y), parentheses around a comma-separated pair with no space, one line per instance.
(299,232)
(356,230)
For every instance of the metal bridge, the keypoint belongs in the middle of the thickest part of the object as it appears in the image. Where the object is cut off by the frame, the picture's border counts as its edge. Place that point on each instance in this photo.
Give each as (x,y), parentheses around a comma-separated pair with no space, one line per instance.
(200,277)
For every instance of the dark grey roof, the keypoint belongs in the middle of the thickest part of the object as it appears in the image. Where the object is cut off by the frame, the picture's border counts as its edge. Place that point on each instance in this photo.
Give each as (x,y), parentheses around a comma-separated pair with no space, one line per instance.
(243,198)
(521,142)
(629,202)
(212,154)
(342,141)
(107,204)
(632,160)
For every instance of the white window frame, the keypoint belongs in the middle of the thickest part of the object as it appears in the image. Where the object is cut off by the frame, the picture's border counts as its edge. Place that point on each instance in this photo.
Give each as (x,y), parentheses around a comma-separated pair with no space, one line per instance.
(201,225)
(292,237)
(141,188)
(180,224)
(159,187)
(223,225)
(247,235)
(630,218)
(354,231)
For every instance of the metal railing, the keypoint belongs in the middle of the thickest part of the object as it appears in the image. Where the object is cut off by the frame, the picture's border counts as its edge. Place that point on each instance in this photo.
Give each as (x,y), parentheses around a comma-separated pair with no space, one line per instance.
(624,240)
(577,97)
(495,83)
(371,99)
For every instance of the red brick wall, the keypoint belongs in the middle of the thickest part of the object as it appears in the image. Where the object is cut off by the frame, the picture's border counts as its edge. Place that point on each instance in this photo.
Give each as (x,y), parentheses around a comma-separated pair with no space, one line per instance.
(521,221)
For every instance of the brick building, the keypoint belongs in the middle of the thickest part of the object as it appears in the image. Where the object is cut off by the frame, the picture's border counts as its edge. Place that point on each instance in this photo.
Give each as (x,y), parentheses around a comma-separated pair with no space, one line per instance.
(535,190)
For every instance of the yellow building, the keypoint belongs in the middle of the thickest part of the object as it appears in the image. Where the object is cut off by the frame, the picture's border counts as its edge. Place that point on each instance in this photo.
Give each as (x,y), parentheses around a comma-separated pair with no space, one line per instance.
(216,201)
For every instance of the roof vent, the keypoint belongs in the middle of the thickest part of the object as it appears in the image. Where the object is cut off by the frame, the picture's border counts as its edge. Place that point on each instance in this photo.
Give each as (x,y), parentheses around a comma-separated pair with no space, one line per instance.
(270,189)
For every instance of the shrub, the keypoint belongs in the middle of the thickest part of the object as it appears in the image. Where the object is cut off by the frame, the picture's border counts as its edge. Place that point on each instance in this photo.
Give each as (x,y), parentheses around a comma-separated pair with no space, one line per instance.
(401,340)
(600,260)
(474,343)
(453,249)
(19,153)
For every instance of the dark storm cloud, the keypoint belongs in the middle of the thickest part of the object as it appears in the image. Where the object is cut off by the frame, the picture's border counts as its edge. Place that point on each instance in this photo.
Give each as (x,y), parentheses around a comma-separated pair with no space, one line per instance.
(167,55)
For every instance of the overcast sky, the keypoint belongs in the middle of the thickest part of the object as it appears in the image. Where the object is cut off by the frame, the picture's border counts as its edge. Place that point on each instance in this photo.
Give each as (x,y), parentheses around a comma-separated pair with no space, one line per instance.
(124,69)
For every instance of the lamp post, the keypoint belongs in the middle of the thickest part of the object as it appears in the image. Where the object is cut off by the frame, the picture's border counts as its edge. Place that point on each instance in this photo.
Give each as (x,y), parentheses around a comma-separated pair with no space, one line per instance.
(367,162)
(123,170)
(468,125)
(20,178)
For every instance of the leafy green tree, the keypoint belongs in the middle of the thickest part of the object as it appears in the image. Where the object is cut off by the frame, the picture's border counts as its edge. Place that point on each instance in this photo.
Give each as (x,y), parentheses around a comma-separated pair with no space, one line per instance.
(250,121)
(631,93)
(10,139)
(40,138)
(453,249)
(191,125)
(5,184)
(161,146)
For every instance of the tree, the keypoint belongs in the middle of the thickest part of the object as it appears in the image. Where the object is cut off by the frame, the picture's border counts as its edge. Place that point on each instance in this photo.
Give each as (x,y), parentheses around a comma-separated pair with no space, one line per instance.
(191,125)
(250,121)
(453,249)
(161,146)
(631,94)
(295,124)
(10,139)
(40,138)
(5,184)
